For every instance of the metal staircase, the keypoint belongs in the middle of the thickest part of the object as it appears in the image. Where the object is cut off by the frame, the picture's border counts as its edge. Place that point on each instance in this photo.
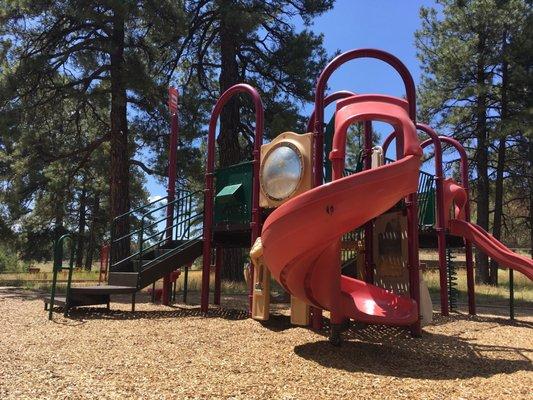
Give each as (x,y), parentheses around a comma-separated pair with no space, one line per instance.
(159,244)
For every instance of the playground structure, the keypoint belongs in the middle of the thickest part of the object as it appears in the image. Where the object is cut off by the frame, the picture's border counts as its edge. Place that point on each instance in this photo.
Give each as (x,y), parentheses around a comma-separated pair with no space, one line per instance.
(316,218)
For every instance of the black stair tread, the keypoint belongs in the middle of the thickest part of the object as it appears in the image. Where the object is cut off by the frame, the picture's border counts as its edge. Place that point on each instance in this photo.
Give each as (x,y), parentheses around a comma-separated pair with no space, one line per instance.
(81,300)
(180,256)
(168,251)
(57,300)
(173,244)
(123,273)
(123,279)
(102,289)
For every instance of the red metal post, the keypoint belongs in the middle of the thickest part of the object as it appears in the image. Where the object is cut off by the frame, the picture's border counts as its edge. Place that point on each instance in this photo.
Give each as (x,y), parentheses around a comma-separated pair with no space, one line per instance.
(218,267)
(172,176)
(319,136)
(330,98)
(468,245)
(413,261)
(255,224)
(439,226)
(369,226)
(104,263)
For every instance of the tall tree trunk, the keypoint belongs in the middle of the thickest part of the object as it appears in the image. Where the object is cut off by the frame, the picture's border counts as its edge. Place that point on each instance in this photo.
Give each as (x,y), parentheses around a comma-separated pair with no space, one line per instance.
(81,228)
(119,166)
(530,197)
(481,156)
(500,166)
(498,207)
(228,139)
(92,232)
(58,222)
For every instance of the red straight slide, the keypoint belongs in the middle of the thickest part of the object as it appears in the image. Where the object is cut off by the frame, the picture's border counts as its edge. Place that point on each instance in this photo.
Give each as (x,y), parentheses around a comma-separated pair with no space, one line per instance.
(301,239)
(455,196)
(491,246)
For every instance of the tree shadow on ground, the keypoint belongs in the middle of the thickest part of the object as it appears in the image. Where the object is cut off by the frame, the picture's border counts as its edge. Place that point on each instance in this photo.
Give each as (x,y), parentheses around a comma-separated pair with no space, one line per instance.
(18,293)
(279,323)
(463,316)
(89,313)
(390,351)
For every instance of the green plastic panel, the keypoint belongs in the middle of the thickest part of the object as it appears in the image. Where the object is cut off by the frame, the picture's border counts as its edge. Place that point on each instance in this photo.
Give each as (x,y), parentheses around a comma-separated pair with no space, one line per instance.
(233,200)
(230,193)
(426,208)
(328,142)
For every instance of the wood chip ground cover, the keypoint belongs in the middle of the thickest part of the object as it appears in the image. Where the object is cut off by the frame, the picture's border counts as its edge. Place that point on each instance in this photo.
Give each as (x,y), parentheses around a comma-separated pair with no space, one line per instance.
(175,353)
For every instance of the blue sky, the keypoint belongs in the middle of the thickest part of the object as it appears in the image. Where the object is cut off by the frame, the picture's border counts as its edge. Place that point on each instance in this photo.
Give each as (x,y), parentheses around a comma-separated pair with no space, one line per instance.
(384,24)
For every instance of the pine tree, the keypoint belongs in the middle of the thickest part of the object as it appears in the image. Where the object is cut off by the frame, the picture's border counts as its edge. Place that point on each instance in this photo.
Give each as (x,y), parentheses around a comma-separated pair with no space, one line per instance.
(113,54)
(254,42)
(463,47)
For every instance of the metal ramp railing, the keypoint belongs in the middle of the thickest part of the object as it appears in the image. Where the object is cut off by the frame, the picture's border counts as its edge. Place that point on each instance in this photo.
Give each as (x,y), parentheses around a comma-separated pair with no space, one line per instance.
(151,231)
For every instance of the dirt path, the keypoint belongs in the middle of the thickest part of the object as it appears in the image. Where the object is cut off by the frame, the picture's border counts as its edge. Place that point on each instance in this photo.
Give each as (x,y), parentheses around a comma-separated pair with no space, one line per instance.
(174,353)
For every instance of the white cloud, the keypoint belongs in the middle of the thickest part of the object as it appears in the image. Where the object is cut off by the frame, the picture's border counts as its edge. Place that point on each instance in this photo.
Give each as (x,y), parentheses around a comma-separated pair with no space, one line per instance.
(155,198)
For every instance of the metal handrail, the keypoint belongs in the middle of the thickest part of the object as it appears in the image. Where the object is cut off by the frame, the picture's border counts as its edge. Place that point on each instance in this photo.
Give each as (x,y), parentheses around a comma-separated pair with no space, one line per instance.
(130,234)
(179,222)
(139,208)
(199,235)
(130,257)
(125,236)
(172,202)
(142,250)
(156,222)
(152,261)
(182,221)
(425,186)
(57,267)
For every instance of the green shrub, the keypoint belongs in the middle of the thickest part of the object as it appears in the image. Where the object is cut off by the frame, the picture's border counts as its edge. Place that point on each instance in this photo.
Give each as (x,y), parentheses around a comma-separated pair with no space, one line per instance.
(9,261)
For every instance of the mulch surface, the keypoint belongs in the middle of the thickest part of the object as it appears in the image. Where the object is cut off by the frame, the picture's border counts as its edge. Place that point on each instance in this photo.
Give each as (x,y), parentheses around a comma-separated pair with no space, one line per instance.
(176,353)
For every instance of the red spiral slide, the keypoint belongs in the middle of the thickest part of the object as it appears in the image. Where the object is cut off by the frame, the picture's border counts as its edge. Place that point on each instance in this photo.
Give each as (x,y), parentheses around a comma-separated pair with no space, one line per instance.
(301,239)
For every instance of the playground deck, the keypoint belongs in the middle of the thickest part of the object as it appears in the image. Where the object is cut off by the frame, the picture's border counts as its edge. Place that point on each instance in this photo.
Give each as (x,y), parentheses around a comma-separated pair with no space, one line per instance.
(164,352)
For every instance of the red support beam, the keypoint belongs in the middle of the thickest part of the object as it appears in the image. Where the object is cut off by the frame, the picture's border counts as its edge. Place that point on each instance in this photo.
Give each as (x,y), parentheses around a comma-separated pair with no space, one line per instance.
(255,224)
(468,245)
(440,223)
(172,177)
(330,98)
(369,226)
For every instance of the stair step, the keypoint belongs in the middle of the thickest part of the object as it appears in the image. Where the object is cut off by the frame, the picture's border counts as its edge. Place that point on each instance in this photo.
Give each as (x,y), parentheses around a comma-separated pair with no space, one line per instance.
(102,290)
(173,244)
(123,279)
(58,300)
(79,299)
(138,265)
(188,251)
(161,252)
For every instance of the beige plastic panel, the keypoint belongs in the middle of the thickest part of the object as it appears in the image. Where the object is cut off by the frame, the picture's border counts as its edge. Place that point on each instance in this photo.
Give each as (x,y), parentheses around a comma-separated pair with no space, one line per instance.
(299,312)
(261,284)
(304,143)
(378,158)
(426,306)
(390,252)
(390,258)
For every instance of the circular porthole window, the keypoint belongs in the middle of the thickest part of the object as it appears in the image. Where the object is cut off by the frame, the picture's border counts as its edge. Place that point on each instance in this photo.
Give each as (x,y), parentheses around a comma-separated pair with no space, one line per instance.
(281,171)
